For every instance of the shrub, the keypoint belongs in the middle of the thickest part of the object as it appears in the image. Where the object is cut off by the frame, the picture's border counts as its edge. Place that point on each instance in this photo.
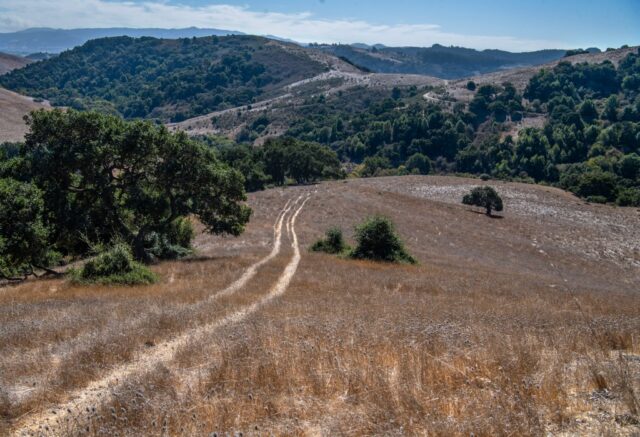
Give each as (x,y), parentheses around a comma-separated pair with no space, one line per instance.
(629,197)
(596,199)
(471,85)
(485,197)
(418,163)
(332,243)
(175,243)
(377,240)
(114,266)
(485,177)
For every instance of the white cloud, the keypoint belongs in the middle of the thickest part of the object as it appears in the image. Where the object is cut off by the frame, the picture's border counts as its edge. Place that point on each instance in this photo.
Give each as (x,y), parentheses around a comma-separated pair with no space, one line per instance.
(303,27)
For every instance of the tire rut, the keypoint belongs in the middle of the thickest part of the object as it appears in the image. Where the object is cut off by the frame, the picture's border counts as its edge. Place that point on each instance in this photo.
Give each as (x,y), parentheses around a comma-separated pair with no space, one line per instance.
(99,391)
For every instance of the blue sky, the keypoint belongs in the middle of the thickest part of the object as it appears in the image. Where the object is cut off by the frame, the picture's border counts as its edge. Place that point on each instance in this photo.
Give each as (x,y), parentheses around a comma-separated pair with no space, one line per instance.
(512,25)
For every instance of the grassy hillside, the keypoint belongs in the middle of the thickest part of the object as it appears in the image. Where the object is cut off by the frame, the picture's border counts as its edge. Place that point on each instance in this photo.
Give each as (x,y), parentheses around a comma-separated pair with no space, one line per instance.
(13,107)
(526,325)
(164,79)
(438,61)
(11,62)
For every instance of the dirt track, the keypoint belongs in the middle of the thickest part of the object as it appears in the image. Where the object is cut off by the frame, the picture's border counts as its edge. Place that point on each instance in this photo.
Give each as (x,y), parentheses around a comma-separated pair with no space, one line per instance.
(100,390)
(350,345)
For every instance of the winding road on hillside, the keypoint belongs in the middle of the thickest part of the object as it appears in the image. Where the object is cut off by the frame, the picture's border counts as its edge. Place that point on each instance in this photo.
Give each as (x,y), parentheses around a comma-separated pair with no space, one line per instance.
(53,420)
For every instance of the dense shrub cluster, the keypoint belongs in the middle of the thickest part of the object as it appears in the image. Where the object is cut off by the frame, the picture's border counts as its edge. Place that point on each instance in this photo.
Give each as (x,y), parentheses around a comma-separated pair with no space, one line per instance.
(279,160)
(376,240)
(114,266)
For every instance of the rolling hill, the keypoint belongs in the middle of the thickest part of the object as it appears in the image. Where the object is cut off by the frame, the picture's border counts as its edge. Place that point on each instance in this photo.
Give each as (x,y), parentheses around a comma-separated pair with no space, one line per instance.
(13,107)
(12,62)
(49,40)
(438,61)
(168,79)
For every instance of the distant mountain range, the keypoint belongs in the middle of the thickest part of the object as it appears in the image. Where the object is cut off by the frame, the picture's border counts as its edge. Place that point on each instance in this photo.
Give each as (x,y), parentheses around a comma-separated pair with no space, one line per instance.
(49,40)
(438,60)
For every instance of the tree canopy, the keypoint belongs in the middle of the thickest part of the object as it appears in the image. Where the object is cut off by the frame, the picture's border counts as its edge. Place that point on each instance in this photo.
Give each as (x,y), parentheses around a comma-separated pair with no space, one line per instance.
(102,178)
(485,197)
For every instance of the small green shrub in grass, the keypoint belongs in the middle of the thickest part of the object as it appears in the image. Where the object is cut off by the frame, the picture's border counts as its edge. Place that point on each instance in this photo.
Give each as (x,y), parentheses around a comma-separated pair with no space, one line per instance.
(377,240)
(114,266)
(332,243)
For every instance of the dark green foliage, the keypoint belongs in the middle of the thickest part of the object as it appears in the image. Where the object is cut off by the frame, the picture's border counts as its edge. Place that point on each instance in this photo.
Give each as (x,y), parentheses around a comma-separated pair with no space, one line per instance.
(23,233)
(418,163)
(301,161)
(377,240)
(628,197)
(576,52)
(630,166)
(166,79)
(333,242)
(114,266)
(102,178)
(471,85)
(373,165)
(495,101)
(485,197)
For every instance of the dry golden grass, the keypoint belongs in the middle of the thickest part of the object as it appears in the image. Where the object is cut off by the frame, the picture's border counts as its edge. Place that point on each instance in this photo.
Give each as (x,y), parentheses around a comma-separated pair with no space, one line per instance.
(483,337)
(13,107)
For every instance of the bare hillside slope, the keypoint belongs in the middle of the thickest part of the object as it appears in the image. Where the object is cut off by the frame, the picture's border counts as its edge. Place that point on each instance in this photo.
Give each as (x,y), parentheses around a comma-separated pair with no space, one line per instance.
(13,107)
(11,62)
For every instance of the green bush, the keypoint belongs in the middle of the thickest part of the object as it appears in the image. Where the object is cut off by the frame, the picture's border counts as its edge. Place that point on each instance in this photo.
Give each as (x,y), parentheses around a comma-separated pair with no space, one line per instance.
(418,163)
(596,199)
(114,266)
(629,197)
(377,240)
(332,243)
(174,243)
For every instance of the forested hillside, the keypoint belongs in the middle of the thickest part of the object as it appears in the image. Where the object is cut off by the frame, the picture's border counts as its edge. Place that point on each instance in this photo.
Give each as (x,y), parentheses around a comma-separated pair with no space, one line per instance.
(438,61)
(589,143)
(164,79)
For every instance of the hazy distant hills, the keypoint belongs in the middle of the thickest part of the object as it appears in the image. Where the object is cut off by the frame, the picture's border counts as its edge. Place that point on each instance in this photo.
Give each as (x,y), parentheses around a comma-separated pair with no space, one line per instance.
(438,61)
(49,40)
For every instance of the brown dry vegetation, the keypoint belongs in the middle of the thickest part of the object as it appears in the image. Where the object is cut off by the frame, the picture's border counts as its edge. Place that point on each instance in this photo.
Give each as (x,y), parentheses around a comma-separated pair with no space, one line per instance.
(524,325)
(11,62)
(13,108)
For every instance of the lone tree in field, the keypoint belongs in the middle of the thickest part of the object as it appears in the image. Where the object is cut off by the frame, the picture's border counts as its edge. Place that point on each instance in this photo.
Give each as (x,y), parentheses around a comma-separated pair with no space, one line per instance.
(378,241)
(484,197)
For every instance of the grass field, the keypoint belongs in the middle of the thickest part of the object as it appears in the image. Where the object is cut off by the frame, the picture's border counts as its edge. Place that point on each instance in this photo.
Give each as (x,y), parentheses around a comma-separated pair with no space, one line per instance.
(527,324)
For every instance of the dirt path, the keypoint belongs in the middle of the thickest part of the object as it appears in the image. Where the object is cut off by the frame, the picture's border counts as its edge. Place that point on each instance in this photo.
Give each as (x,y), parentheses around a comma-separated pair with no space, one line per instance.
(97,392)
(248,273)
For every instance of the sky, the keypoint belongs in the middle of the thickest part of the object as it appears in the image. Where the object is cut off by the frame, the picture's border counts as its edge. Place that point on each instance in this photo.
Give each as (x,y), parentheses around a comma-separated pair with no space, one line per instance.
(514,25)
